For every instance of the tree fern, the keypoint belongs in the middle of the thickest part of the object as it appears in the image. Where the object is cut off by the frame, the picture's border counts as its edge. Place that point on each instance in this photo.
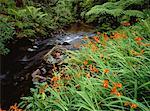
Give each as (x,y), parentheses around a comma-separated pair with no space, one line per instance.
(115,9)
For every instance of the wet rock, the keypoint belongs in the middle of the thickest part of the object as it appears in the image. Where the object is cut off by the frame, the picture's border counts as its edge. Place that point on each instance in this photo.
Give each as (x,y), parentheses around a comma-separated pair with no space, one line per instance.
(66,43)
(58,42)
(43,70)
(55,56)
(35,47)
(31,50)
(37,72)
(36,76)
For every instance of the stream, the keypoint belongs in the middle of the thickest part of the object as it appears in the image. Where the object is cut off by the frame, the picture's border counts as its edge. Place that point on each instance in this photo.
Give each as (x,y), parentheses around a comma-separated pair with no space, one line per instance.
(26,57)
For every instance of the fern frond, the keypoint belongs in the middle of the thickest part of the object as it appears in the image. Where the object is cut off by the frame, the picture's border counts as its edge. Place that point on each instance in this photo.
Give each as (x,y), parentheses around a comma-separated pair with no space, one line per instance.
(134,13)
(126,3)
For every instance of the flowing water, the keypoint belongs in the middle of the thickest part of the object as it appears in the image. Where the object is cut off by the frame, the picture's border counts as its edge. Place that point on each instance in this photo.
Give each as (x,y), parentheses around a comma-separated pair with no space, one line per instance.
(25,57)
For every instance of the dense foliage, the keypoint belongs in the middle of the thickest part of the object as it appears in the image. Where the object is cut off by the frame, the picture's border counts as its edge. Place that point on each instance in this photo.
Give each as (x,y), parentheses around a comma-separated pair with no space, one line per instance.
(108,73)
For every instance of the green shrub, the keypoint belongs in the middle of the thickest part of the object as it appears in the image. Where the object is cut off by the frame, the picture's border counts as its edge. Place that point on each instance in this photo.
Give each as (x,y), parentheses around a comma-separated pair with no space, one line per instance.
(64,12)
(6,32)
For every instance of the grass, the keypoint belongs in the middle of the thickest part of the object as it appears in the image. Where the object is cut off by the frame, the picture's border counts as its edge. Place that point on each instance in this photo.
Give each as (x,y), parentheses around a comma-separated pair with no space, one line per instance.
(107,74)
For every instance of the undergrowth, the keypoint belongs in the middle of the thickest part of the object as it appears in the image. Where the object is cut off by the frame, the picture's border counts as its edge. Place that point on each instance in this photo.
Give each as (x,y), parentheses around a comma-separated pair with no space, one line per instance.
(108,73)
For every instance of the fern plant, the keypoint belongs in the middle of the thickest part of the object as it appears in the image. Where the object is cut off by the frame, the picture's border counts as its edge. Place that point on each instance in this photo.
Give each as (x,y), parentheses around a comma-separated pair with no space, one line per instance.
(28,21)
(117,10)
(6,32)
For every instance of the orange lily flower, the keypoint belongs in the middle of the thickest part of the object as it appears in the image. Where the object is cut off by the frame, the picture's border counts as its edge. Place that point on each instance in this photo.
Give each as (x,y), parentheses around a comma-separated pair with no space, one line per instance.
(118,94)
(85,62)
(15,108)
(133,105)
(105,83)
(56,85)
(41,90)
(119,85)
(114,90)
(96,39)
(93,69)
(106,71)
(55,79)
(106,37)
(138,39)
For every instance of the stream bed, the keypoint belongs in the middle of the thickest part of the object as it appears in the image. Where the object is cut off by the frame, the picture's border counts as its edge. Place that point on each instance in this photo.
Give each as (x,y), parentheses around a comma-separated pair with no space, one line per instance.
(26,58)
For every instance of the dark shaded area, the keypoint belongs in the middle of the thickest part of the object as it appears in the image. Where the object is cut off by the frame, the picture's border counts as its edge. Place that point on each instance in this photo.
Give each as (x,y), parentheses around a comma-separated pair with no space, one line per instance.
(15,77)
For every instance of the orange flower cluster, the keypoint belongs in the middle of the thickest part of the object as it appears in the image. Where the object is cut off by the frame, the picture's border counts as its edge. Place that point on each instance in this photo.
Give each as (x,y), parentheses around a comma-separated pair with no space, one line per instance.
(132,105)
(55,79)
(54,82)
(118,85)
(105,83)
(15,108)
(105,37)
(93,69)
(133,52)
(138,40)
(106,71)
(96,39)
(94,47)
(85,62)
(42,89)
(117,35)
(114,89)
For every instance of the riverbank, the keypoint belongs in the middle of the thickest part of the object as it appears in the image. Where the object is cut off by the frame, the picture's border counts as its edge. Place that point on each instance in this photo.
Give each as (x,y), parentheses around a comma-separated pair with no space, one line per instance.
(107,73)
